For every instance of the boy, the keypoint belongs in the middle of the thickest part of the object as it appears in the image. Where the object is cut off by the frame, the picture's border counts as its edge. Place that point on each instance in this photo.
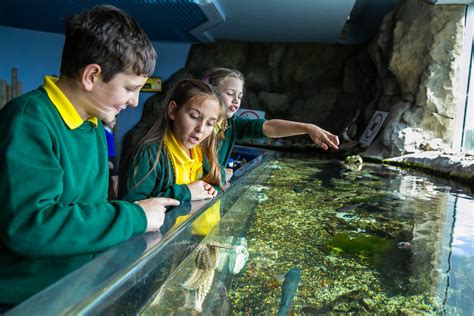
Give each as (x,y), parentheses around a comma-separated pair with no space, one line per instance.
(54,214)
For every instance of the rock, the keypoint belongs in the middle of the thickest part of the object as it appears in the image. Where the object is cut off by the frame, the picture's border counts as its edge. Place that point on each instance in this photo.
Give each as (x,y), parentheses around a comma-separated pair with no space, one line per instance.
(454,166)
(354,160)
(274,102)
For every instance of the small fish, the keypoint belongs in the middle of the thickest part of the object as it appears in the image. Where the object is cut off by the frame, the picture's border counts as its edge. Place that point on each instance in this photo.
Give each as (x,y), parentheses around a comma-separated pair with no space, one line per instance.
(405,245)
(288,290)
(297,189)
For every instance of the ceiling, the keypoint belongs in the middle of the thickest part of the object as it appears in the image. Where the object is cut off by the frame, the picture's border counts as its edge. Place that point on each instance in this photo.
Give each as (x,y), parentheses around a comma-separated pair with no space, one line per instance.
(325,21)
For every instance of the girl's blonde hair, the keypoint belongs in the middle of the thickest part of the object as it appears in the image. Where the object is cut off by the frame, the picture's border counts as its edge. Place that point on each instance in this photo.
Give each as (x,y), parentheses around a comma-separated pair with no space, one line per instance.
(183,92)
(215,77)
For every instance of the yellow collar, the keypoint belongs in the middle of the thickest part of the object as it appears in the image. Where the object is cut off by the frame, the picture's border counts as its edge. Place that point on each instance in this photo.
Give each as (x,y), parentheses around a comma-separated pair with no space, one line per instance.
(187,170)
(65,108)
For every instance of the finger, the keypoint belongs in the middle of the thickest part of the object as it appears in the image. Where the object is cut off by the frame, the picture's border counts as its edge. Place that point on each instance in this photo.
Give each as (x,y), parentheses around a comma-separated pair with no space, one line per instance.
(333,144)
(211,190)
(334,139)
(328,142)
(321,144)
(167,201)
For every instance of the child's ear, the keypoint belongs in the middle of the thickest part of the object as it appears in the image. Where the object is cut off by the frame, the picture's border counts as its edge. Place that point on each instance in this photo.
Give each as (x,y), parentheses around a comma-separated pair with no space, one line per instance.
(172,106)
(90,74)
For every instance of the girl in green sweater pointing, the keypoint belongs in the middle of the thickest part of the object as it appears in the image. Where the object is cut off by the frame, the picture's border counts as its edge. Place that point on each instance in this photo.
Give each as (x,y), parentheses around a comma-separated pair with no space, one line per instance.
(177,157)
(229,84)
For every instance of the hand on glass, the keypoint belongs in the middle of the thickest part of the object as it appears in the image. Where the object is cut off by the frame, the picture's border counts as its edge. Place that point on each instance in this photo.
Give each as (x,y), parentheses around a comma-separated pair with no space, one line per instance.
(228,174)
(155,209)
(201,190)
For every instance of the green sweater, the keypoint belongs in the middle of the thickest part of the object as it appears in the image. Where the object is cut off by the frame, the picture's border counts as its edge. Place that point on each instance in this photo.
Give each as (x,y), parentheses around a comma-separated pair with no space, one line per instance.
(54,214)
(159,183)
(238,129)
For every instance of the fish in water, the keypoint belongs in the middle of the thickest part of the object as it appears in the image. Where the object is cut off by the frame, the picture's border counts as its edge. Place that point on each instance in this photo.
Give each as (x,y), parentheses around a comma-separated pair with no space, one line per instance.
(405,245)
(288,290)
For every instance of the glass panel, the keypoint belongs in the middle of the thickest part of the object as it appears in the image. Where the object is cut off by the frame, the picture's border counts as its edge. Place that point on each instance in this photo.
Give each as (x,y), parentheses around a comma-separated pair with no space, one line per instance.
(124,278)
(468,137)
(463,137)
(468,115)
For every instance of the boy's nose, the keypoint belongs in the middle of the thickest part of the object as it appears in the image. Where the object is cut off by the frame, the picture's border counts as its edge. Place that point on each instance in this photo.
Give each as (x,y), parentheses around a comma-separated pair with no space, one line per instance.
(133,101)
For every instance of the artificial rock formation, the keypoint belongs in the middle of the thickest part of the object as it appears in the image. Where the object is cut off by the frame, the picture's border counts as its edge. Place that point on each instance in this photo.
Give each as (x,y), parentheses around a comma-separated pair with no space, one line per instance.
(417,54)
(411,69)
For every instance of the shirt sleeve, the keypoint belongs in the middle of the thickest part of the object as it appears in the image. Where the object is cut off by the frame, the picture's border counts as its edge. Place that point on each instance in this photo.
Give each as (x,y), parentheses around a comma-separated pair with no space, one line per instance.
(145,182)
(248,128)
(34,220)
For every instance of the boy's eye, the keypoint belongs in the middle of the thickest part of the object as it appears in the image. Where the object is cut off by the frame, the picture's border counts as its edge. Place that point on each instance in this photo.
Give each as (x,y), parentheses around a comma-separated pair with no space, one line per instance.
(194,116)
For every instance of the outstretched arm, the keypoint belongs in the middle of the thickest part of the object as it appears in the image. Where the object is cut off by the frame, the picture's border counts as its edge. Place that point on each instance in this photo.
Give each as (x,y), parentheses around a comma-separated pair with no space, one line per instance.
(282,128)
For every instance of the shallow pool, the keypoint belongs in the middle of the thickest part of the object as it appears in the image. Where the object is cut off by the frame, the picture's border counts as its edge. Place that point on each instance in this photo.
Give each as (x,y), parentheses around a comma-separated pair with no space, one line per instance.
(374,239)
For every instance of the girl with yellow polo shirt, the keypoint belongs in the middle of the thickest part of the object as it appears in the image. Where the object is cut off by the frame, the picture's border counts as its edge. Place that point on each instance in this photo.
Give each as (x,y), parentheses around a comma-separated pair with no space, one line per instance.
(177,156)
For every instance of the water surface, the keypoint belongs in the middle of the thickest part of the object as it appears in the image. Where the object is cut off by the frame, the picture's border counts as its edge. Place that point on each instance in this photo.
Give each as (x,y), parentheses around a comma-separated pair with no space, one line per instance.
(374,239)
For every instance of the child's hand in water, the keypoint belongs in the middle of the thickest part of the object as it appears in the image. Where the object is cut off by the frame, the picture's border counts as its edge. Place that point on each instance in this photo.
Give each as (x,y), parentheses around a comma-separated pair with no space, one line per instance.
(201,190)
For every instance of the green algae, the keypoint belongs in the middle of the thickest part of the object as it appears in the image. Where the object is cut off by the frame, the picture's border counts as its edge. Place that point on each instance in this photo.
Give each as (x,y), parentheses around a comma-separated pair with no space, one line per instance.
(348,266)
(362,244)
(367,241)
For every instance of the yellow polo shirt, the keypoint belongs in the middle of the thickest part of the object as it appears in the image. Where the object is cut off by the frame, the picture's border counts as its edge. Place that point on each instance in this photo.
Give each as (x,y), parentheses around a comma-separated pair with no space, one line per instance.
(65,108)
(186,170)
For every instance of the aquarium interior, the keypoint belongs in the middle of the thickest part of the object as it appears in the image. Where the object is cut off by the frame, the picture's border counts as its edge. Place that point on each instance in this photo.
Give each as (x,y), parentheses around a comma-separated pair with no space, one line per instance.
(292,234)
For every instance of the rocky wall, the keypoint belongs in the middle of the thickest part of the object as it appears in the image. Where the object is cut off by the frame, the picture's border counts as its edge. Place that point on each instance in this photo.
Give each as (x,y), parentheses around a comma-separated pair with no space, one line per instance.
(417,56)
(410,69)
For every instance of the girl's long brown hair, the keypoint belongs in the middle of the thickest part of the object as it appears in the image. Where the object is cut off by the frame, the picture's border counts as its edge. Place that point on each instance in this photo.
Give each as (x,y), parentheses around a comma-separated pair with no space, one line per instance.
(184,91)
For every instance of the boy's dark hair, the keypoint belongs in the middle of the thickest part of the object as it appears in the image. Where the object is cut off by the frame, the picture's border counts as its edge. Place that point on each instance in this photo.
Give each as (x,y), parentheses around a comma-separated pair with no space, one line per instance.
(107,36)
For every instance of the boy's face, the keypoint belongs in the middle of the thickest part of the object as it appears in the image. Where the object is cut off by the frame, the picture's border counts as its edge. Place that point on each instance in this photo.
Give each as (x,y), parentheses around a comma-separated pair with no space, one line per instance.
(231,91)
(106,100)
(194,121)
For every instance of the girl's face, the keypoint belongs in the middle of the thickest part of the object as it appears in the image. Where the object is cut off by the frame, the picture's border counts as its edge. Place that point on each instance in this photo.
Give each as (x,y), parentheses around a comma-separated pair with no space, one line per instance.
(194,121)
(231,91)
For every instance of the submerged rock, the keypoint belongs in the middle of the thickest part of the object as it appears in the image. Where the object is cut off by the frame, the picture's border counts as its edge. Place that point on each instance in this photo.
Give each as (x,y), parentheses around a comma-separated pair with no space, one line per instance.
(354,160)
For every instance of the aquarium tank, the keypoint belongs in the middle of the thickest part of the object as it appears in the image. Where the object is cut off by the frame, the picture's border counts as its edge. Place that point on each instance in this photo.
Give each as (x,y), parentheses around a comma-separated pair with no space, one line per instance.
(291,235)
